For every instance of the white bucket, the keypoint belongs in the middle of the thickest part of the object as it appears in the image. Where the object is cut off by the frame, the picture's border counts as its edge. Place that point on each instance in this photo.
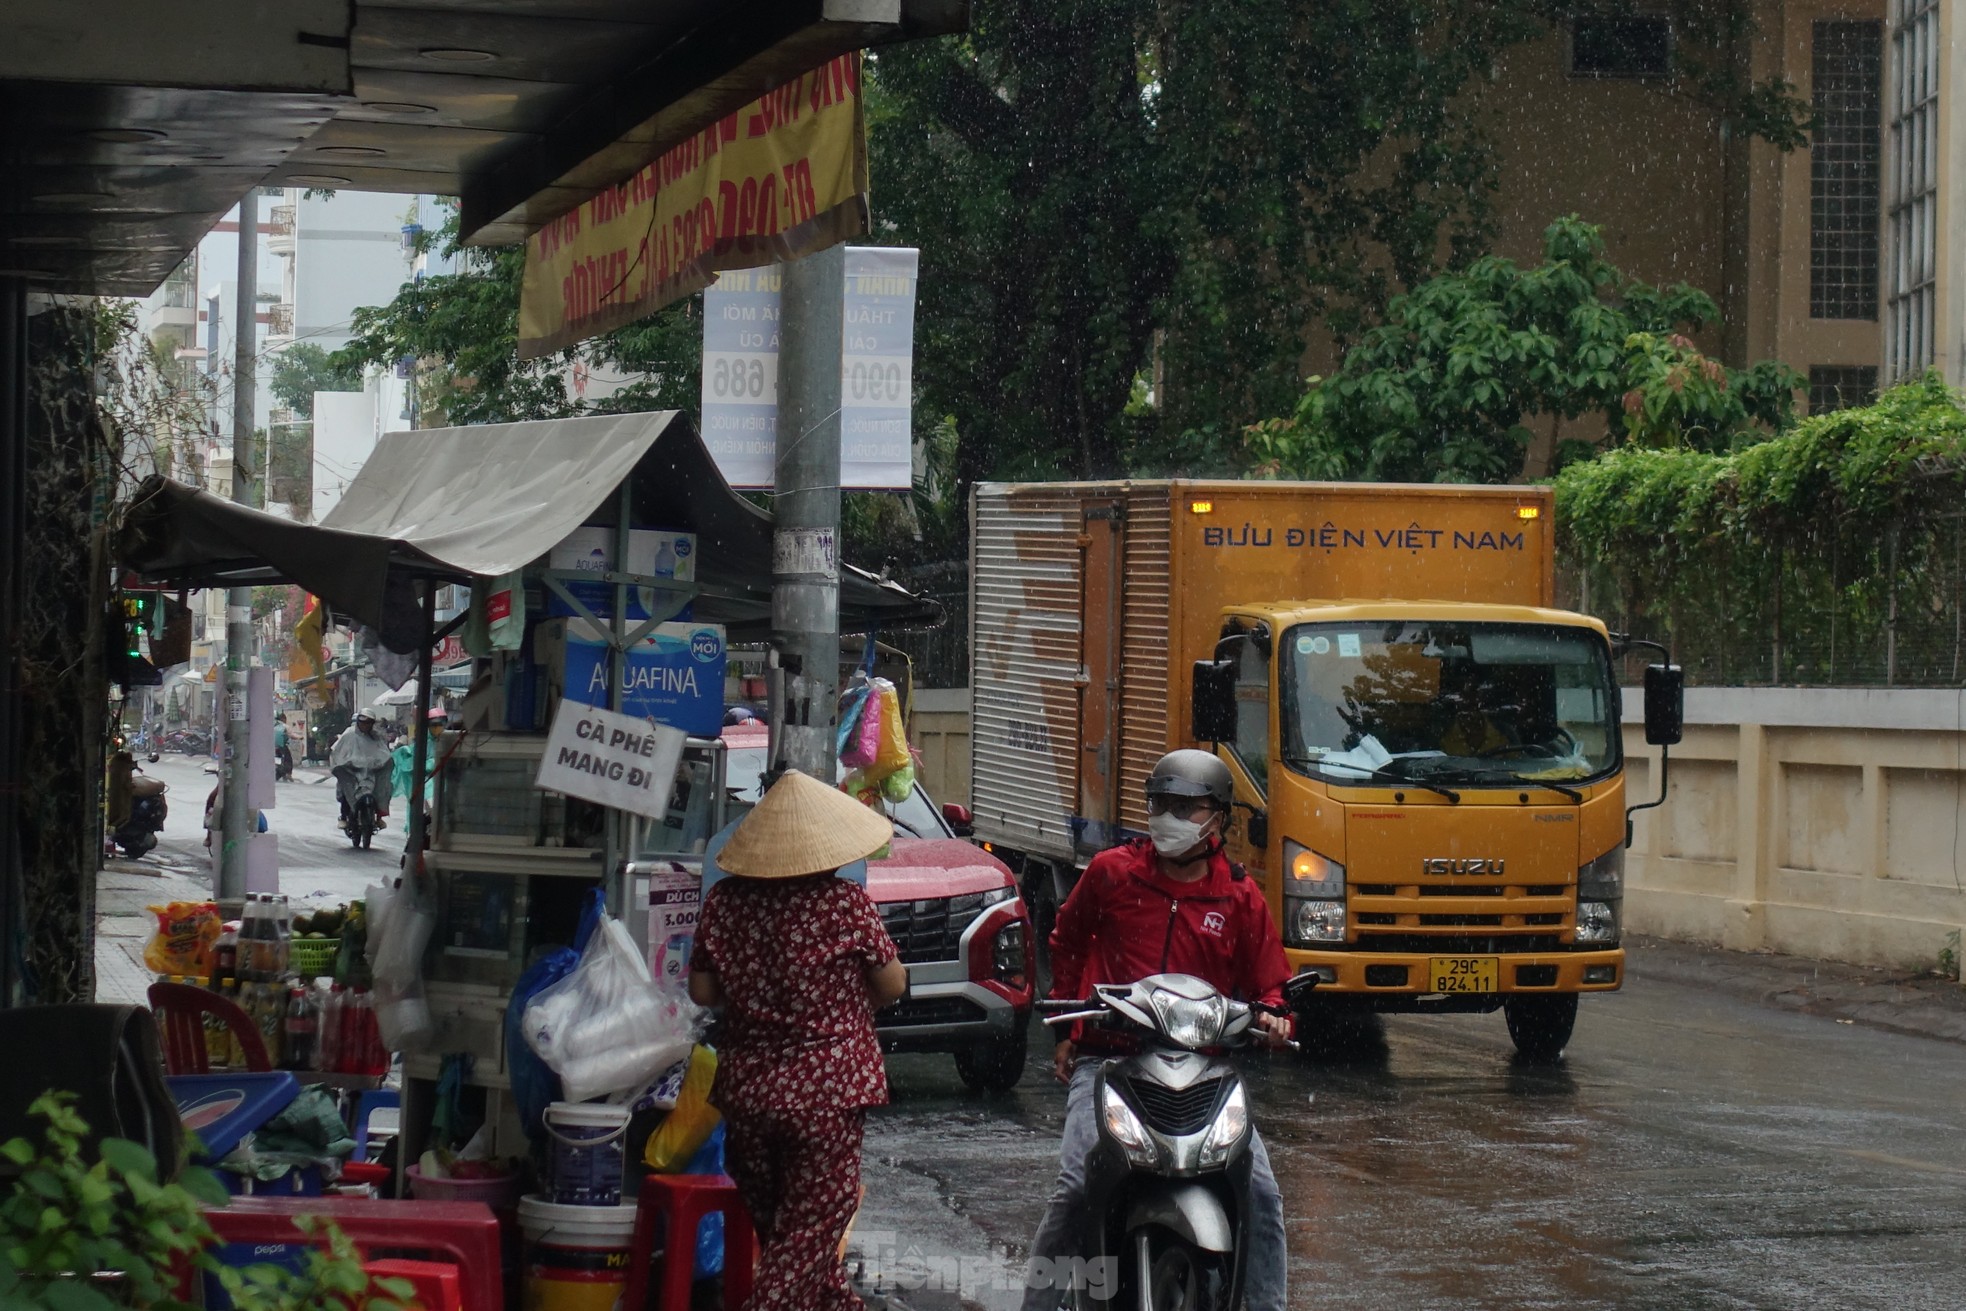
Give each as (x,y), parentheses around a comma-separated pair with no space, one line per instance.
(587,1153)
(576,1257)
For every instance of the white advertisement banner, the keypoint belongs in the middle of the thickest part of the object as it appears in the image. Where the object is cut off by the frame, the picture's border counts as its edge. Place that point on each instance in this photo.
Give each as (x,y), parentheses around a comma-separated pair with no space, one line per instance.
(740,371)
(612,760)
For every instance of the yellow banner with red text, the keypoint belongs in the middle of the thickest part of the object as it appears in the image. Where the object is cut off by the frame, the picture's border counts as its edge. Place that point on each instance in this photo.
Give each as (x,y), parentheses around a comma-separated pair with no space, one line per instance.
(781,178)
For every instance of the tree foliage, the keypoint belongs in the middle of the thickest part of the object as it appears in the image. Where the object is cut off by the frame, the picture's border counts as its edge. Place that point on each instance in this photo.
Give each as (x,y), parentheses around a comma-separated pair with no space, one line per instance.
(465,325)
(1828,553)
(1443,389)
(1100,187)
(305,368)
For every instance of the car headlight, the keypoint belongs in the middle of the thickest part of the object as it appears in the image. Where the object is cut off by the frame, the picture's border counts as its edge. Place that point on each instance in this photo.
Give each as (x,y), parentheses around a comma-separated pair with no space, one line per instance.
(996,895)
(1597,922)
(1230,1122)
(1007,954)
(1308,921)
(1124,1128)
(1308,874)
(1604,878)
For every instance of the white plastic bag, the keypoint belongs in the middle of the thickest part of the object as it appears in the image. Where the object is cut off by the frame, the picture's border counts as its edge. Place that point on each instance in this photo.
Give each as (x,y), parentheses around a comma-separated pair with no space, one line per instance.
(398,932)
(609,1027)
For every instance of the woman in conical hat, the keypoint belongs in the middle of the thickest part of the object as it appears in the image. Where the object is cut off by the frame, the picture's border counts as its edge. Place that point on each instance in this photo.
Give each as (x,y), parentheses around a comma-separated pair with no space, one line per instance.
(799,961)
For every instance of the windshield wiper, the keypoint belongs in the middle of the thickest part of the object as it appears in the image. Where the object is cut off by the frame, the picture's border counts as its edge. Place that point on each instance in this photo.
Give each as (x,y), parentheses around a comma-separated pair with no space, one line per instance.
(913,832)
(1381,772)
(1478,775)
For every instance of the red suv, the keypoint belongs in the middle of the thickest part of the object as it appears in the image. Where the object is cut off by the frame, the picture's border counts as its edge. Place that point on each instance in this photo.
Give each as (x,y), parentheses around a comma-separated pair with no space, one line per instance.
(955,912)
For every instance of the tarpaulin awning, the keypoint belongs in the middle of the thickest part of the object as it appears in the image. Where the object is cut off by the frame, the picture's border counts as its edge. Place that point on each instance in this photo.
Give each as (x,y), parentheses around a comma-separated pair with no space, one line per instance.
(451,504)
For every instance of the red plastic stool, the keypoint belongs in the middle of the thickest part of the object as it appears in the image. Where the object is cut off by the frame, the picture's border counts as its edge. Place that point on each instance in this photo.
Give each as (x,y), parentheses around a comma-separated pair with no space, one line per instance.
(463,1233)
(686,1199)
(435,1283)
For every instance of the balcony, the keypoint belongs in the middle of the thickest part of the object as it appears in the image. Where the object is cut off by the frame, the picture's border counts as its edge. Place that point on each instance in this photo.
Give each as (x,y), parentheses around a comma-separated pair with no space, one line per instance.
(280,319)
(279,230)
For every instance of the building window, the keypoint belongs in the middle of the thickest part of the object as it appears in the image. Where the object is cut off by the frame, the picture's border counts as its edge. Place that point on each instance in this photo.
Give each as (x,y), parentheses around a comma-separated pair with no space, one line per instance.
(1840,386)
(1847,93)
(1911,292)
(1633,46)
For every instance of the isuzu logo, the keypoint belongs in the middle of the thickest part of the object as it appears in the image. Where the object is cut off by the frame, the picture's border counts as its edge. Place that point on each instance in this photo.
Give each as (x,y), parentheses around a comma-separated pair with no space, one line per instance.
(1447,866)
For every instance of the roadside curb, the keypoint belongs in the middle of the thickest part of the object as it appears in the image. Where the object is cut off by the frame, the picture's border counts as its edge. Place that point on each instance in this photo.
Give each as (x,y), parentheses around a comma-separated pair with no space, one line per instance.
(1899,1001)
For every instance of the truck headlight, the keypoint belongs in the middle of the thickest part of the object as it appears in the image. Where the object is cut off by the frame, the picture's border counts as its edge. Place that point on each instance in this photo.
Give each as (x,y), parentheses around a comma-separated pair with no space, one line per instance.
(1124,1128)
(1230,1123)
(1604,878)
(1308,874)
(1307,921)
(1597,923)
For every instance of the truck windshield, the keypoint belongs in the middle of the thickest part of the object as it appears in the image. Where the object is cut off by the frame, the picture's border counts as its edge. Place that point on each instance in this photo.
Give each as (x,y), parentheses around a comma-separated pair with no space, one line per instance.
(1449,702)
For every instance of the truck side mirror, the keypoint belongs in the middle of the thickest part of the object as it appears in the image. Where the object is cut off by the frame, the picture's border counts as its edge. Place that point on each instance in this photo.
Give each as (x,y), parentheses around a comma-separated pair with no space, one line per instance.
(1213,704)
(1665,704)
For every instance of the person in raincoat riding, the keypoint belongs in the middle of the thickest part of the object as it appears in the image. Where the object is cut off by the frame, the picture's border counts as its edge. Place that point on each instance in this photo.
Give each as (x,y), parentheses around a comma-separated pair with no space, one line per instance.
(360,747)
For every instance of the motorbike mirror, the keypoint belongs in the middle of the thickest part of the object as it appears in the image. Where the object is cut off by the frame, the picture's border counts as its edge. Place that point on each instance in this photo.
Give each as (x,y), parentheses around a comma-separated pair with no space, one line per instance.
(153,757)
(1298,990)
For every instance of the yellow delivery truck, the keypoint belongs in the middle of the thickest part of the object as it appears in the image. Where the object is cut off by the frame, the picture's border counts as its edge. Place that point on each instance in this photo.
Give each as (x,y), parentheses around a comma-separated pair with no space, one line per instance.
(1430,782)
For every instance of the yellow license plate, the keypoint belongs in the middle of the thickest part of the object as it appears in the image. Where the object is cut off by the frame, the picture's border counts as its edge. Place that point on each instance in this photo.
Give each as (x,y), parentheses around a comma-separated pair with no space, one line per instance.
(1464,974)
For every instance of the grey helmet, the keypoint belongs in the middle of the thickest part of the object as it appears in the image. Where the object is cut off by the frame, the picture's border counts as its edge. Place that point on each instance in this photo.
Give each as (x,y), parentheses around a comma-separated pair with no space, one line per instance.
(1191,773)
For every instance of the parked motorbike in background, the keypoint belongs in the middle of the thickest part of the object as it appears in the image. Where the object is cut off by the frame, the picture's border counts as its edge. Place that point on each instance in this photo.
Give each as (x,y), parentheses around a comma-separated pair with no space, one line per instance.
(1167,1185)
(138,833)
(283,765)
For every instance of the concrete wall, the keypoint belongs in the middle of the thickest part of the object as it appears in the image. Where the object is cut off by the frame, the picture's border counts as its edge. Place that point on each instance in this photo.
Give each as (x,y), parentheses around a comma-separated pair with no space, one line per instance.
(1820,822)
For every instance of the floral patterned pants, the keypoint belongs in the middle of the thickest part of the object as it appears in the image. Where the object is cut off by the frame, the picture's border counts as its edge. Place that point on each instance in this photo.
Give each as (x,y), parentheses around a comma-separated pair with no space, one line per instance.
(799,1175)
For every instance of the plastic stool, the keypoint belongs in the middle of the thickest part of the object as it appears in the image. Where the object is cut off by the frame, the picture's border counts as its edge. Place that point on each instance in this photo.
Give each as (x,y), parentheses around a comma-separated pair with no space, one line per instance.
(435,1283)
(463,1233)
(686,1199)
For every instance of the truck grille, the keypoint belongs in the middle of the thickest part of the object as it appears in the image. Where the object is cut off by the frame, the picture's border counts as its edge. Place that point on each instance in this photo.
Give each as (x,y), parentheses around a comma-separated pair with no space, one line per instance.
(1515,917)
(929,931)
(1462,944)
(1177,1111)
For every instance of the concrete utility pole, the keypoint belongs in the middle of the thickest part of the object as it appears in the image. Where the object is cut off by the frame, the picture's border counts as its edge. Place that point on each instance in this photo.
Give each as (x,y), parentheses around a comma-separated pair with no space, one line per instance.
(236,816)
(805,558)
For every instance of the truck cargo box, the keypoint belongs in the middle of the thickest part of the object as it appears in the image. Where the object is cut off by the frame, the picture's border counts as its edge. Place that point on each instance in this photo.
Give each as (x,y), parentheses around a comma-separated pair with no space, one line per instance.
(1090,602)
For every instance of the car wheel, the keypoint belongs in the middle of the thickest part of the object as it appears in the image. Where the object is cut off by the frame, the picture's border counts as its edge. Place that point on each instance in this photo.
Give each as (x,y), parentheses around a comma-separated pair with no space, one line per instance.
(1541,1026)
(995,1064)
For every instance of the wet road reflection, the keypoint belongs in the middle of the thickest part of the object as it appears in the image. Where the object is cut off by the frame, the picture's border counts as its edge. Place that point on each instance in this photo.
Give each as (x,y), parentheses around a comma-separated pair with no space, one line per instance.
(1691,1152)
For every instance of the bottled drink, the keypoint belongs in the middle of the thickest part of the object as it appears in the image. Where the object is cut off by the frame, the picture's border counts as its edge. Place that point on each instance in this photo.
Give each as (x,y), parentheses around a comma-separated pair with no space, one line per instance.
(282,936)
(329,1054)
(299,1032)
(225,957)
(233,1056)
(252,936)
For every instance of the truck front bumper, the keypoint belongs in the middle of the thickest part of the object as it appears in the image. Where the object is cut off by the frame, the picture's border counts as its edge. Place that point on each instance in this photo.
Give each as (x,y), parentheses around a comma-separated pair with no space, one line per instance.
(1398,981)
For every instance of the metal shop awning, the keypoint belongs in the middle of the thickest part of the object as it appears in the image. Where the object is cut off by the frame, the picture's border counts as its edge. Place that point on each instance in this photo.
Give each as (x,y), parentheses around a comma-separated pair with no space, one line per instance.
(451,504)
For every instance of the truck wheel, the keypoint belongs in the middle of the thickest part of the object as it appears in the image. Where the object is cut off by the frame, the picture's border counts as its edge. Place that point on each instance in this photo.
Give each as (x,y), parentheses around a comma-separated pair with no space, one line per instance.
(1541,1025)
(994,1065)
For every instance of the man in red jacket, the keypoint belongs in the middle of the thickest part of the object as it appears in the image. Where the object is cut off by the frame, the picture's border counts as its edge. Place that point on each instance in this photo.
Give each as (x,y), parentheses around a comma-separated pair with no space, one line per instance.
(1170,905)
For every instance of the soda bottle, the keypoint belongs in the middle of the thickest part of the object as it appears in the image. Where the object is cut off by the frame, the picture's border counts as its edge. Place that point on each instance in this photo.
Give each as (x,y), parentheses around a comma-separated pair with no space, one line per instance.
(225,957)
(329,1056)
(282,937)
(298,1032)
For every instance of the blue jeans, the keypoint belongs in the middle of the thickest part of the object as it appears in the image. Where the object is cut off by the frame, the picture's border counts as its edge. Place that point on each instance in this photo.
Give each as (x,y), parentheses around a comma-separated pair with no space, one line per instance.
(1266,1265)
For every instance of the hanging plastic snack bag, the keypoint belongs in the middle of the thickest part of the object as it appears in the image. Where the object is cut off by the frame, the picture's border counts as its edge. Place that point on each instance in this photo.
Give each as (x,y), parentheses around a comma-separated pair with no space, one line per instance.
(892,751)
(183,939)
(853,702)
(897,786)
(609,1027)
(865,742)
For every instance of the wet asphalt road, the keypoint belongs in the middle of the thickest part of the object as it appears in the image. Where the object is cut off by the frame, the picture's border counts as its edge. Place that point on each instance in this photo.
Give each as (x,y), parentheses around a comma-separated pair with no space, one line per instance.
(1691,1153)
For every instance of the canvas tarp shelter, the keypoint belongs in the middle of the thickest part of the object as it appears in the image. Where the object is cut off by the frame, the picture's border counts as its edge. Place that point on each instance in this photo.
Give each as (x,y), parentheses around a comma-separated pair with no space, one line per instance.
(448,504)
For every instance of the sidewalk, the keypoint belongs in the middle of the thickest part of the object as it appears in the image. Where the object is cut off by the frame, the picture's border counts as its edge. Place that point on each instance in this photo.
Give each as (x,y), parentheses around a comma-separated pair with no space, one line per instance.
(1923,1005)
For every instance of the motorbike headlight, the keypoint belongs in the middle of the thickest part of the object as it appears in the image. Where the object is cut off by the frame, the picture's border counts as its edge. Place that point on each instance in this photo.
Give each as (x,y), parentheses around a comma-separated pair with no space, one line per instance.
(1308,922)
(1604,878)
(1124,1128)
(1230,1124)
(1190,1021)
(1597,923)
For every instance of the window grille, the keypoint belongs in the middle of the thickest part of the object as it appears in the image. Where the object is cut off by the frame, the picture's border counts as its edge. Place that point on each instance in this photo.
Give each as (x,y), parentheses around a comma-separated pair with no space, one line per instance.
(1847,92)
(1912,291)
(1840,386)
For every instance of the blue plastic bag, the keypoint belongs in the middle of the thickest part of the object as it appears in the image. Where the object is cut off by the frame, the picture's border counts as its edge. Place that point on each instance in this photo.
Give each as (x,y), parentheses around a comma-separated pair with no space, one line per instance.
(534,1085)
(709,1159)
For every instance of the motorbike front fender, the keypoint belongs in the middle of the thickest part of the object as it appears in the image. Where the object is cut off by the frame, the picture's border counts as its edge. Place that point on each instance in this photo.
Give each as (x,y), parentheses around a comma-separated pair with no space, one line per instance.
(1190,1211)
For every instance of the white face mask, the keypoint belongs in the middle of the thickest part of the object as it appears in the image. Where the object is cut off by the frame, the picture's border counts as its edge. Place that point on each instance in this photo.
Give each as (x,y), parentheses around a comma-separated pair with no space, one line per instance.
(1174,837)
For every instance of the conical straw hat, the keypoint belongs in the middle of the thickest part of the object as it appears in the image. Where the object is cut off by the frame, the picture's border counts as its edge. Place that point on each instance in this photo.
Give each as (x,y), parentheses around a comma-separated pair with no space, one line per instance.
(803,827)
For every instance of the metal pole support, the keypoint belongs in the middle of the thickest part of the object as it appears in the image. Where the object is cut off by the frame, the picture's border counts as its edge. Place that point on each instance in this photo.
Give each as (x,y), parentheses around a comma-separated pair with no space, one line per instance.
(236,816)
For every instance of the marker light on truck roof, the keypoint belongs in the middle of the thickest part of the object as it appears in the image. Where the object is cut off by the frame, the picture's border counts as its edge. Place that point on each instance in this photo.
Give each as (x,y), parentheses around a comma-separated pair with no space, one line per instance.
(1201,507)
(1528,511)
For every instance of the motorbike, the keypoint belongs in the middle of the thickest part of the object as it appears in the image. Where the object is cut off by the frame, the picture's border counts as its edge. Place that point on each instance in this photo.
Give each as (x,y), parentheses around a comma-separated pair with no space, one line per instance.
(1167,1184)
(138,833)
(364,812)
(283,765)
